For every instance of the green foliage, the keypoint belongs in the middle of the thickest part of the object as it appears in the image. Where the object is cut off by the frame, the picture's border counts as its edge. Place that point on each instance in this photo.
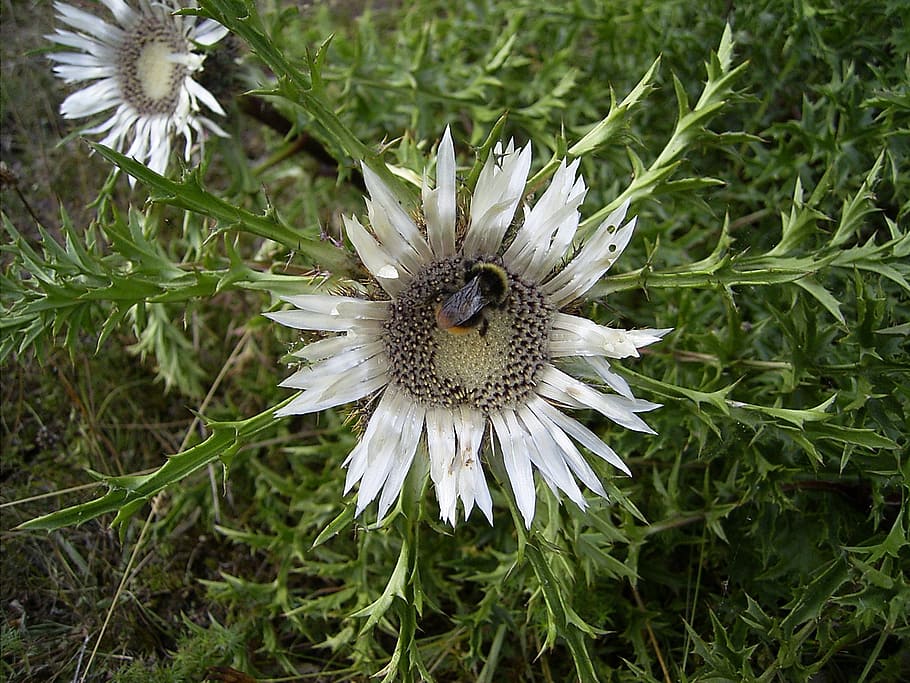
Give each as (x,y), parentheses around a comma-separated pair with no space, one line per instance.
(198,648)
(764,535)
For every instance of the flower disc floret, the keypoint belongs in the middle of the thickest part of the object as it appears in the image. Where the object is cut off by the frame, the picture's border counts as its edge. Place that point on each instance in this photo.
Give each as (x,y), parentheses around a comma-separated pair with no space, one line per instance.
(488,366)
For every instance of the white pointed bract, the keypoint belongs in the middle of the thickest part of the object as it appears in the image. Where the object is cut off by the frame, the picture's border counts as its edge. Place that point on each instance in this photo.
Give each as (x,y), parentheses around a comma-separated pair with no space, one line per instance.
(487,389)
(142,68)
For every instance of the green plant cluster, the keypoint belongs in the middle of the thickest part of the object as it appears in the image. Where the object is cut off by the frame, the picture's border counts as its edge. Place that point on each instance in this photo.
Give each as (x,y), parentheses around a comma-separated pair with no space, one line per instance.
(764,536)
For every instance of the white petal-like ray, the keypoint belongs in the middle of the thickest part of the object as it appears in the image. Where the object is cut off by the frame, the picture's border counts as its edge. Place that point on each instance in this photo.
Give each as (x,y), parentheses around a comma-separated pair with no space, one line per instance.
(331,346)
(404,456)
(77,41)
(550,458)
(500,188)
(142,140)
(92,99)
(391,240)
(442,450)
(558,386)
(377,260)
(377,430)
(385,453)
(117,127)
(569,453)
(453,443)
(513,445)
(595,258)
(470,425)
(439,203)
(320,385)
(549,227)
(80,59)
(331,369)
(156,155)
(351,387)
(575,336)
(71,73)
(201,124)
(197,92)
(387,203)
(307,320)
(341,306)
(613,380)
(86,22)
(123,13)
(370,461)
(577,431)
(208,32)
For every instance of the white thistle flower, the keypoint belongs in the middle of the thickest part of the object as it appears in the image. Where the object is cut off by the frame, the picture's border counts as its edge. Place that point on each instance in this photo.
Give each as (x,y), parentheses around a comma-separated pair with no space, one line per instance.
(470,339)
(141,67)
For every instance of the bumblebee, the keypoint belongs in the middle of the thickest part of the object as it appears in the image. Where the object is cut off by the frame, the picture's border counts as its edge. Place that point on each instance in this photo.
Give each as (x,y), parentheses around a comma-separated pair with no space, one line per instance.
(486,284)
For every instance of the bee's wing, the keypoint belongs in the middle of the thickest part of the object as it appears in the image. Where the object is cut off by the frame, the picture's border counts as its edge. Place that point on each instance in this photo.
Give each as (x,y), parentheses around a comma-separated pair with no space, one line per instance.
(461,306)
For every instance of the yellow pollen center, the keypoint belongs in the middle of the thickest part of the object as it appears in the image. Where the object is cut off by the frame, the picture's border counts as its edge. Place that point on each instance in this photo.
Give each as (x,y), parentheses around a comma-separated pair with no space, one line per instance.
(471,359)
(155,70)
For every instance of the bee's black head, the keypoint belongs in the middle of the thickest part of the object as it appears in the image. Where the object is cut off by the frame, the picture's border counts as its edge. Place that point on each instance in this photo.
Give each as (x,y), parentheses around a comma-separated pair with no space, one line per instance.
(493,280)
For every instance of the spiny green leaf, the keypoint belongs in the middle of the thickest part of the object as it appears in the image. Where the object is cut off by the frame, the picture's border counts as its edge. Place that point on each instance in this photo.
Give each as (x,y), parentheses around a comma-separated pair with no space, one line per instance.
(224,437)
(394,588)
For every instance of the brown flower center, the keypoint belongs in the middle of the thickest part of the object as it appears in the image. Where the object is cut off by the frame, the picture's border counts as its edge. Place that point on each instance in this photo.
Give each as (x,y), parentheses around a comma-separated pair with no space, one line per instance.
(488,363)
(149,68)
